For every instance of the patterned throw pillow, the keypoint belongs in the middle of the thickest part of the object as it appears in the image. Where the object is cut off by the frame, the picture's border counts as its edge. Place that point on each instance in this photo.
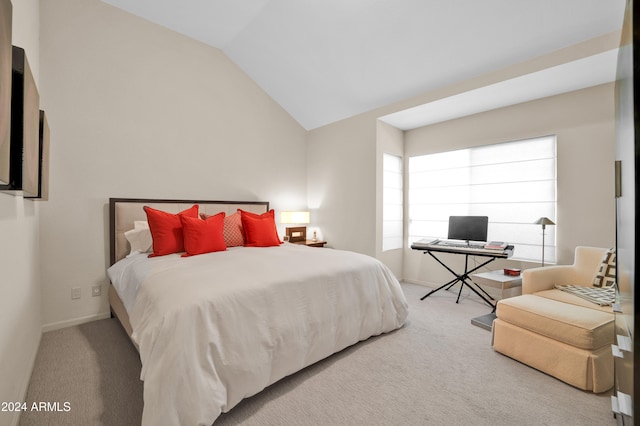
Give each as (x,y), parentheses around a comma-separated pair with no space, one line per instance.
(606,276)
(233,232)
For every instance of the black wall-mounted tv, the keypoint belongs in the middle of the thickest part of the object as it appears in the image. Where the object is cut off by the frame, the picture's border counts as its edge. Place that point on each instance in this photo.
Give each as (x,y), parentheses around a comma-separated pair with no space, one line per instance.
(6,11)
(25,129)
(468,228)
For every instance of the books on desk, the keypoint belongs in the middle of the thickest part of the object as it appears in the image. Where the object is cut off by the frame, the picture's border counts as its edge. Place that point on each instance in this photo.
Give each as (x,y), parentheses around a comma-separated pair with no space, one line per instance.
(496,245)
(425,242)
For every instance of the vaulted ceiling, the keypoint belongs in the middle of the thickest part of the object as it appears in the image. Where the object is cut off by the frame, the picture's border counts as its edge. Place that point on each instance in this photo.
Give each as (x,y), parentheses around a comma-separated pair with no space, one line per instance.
(323,61)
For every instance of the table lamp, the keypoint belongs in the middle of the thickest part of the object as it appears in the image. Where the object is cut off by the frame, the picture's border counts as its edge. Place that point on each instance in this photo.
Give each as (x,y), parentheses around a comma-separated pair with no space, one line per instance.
(544,221)
(296,233)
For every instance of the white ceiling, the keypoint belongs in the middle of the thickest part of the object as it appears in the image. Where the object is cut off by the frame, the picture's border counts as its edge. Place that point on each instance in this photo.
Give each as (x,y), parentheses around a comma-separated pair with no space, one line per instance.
(323,61)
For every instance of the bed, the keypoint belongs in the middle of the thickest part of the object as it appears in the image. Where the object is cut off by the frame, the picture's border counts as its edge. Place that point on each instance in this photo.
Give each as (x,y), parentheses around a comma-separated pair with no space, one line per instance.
(215,328)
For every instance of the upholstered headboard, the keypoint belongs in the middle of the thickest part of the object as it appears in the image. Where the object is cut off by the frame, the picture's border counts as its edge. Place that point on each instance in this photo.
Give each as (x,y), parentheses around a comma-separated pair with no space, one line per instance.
(124,211)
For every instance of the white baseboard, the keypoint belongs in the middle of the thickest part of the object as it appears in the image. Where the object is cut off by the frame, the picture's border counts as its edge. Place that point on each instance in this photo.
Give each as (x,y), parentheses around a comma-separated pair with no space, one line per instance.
(68,323)
(422,283)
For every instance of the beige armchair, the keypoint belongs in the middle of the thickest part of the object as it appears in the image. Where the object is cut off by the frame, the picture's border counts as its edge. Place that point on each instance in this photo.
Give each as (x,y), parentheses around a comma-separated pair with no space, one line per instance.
(557,332)
(585,266)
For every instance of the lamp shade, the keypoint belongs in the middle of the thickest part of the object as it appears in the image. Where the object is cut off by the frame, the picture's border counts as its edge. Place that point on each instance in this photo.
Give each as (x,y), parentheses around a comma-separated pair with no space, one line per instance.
(544,221)
(294,217)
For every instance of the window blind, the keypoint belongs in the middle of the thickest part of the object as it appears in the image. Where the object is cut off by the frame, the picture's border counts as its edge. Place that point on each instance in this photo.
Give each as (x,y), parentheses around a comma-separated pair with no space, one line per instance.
(392,200)
(513,183)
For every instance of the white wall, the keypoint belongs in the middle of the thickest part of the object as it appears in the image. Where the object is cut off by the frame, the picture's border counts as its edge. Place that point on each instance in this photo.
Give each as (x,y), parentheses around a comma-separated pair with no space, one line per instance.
(20,300)
(136,110)
(584,123)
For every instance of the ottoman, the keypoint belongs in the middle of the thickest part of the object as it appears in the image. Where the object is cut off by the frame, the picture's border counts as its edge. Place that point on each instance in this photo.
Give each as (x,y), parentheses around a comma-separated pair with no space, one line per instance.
(567,341)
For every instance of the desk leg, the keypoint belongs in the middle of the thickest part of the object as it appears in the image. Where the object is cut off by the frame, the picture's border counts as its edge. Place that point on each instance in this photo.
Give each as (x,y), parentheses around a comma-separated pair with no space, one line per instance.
(464,276)
(450,284)
(467,273)
(447,285)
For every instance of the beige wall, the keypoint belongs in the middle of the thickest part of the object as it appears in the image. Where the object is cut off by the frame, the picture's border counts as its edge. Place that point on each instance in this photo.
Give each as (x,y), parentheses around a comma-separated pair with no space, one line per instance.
(341,164)
(136,110)
(20,301)
(390,140)
(584,124)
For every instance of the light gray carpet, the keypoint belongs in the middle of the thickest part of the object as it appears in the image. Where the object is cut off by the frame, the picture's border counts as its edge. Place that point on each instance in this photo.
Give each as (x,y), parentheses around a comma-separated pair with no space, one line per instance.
(438,369)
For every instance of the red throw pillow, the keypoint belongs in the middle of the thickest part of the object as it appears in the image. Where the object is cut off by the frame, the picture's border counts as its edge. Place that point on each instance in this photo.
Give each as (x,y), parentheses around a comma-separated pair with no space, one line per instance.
(233,232)
(203,236)
(260,229)
(166,230)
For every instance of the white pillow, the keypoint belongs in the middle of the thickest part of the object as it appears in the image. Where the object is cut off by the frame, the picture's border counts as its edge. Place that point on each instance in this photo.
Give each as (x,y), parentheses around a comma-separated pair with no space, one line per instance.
(139,237)
(140,224)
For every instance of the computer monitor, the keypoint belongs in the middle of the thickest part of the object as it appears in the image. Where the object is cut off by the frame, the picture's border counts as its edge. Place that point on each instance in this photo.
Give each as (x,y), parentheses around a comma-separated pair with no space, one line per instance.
(468,228)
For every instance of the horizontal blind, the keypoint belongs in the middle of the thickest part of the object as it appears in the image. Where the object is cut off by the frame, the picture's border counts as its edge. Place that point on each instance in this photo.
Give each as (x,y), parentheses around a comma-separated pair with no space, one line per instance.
(513,183)
(392,200)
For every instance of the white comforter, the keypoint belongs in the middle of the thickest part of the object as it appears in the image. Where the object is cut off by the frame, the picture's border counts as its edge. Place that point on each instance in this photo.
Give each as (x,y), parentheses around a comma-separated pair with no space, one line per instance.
(216,328)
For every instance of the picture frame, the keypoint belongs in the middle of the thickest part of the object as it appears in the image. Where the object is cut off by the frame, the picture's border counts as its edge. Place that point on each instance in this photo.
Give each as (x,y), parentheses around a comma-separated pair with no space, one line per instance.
(43,180)
(6,60)
(24,156)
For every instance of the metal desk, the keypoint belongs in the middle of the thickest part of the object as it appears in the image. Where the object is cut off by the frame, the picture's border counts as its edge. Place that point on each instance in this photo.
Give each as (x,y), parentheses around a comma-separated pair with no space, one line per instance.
(464,278)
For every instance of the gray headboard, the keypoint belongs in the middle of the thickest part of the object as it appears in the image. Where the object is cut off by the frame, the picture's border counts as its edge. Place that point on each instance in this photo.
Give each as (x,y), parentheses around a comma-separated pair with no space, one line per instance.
(124,211)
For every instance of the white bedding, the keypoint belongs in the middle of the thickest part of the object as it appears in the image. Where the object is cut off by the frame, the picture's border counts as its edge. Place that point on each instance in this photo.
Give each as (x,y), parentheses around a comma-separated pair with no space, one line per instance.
(216,328)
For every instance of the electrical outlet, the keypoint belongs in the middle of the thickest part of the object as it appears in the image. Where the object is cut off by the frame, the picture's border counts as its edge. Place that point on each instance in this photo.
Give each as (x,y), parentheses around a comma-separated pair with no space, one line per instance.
(96,290)
(75,293)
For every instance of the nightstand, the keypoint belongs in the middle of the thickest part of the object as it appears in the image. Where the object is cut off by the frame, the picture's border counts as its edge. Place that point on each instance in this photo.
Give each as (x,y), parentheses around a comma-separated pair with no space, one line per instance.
(312,243)
(510,285)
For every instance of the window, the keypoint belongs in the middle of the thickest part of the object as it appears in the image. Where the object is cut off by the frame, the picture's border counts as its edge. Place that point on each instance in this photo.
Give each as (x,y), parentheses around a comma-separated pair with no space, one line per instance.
(512,183)
(391,202)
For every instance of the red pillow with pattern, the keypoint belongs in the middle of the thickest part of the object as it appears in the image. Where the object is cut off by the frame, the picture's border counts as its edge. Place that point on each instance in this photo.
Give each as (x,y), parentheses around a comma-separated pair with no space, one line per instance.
(233,232)
(166,230)
(260,229)
(203,236)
